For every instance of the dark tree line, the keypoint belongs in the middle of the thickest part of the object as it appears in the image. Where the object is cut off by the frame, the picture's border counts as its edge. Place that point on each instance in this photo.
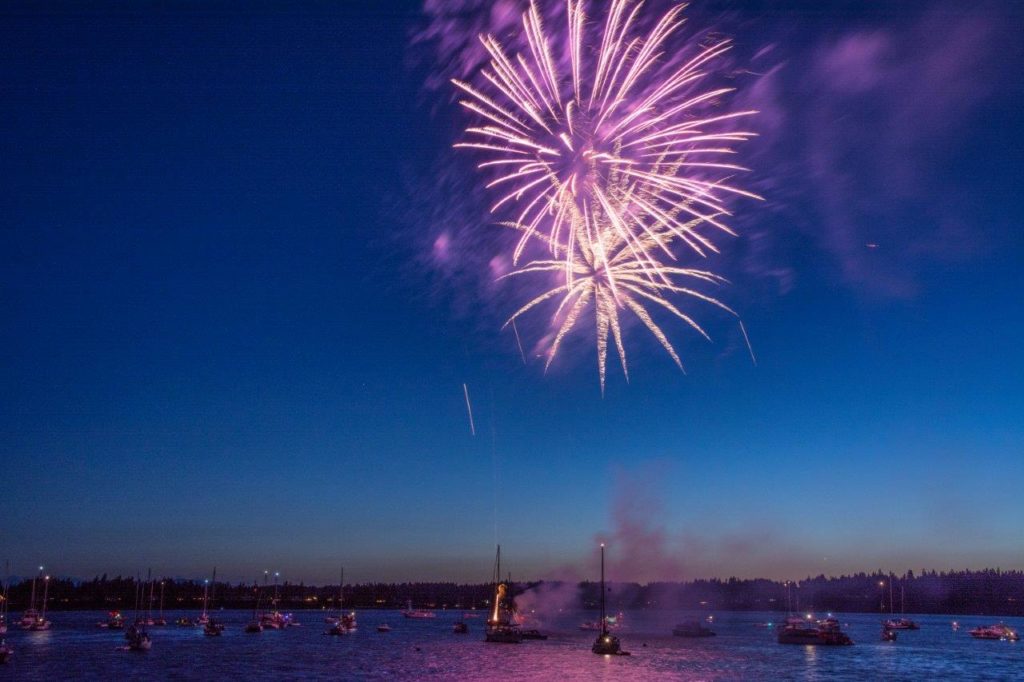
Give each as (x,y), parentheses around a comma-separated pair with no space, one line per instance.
(989,592)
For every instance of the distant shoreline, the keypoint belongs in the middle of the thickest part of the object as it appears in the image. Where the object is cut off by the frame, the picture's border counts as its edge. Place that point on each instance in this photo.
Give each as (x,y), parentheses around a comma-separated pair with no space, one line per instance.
(990,592)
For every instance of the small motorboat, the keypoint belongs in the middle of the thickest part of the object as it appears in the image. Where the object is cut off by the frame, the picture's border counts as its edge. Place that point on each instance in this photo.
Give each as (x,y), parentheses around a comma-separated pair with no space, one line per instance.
(5,651)
(185,622)
(999,631)
(213,628)
(253,627)
(460,628)
(692,629)
(383,627)
(115,621)
(336,629)
(534,634)
(888,634)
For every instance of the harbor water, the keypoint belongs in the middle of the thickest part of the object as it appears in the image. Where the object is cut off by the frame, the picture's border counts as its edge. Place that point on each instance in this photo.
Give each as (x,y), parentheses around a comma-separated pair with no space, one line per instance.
(427,649)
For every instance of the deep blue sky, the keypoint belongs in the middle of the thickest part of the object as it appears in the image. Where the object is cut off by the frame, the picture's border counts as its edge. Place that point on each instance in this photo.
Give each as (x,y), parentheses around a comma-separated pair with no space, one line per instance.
(220,344)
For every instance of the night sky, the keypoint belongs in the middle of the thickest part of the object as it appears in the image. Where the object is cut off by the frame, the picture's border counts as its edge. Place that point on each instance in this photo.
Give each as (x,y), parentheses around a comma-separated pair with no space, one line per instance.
(226,339)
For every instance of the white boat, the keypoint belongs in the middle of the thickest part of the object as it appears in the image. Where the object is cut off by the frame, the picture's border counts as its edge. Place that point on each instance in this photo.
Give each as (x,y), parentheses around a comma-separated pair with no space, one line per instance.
(410,612)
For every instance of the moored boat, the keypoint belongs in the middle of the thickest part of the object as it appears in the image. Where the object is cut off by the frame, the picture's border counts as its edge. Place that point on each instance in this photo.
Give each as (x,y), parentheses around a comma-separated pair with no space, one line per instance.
(501,627)
(998,631)
(33,619)
(692,628)
(606,643)
(115,621)
(213,628)
(460,628)
(138,638)
(799,631)
(383,627)
(410,612)
(5,651)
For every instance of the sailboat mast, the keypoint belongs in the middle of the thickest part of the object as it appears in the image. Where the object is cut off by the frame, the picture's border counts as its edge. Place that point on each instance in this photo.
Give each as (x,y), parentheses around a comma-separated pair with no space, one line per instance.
(213,585)
(46,593)
(149,606)
(32,599)
(162,600)
(604,620)
(341,592)
(890,595)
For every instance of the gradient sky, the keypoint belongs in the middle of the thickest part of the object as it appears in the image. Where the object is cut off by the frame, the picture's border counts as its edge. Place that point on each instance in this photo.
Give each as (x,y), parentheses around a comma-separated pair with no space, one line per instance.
(224,340)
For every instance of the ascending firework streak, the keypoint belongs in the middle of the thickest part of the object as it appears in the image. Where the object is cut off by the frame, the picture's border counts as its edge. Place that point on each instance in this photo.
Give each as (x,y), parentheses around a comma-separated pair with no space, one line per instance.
(608,160)
(469,410)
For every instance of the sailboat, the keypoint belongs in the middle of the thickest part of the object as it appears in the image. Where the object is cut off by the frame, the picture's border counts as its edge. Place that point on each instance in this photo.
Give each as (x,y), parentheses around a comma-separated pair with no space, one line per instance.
(40,622)
(204,617)
(901,623)
(254,626)
(211,628)
(31,615)
(501,628)
(606,643)
(136,635)
(344,623)
(275,620)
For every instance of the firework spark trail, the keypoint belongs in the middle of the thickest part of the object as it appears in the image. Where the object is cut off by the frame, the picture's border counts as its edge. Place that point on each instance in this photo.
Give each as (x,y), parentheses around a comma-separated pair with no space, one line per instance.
(469,410)
(519,343)
(750,348)
(611,160)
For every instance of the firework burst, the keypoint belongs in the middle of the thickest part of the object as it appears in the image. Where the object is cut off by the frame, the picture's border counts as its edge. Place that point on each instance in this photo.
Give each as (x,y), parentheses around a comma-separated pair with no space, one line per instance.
(603,152)
(611,280)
